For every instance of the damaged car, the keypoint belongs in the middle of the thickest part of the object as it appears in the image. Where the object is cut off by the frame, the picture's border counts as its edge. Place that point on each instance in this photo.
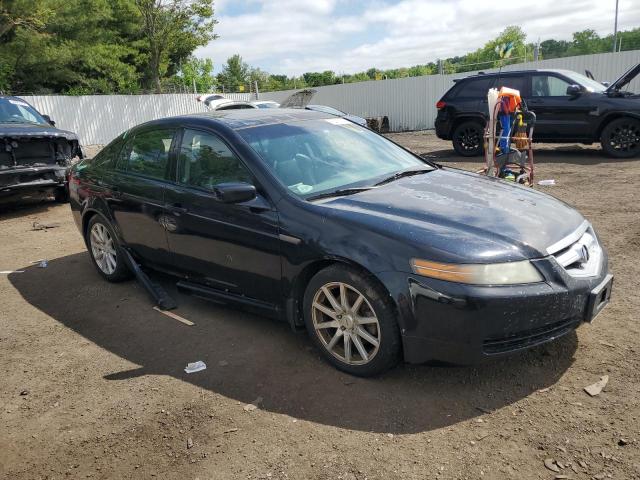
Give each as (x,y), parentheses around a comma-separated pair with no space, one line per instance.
(34,155)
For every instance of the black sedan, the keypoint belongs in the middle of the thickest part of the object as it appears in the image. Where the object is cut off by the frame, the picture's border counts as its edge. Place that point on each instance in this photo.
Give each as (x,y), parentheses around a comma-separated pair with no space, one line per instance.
(34,155)
(325,224)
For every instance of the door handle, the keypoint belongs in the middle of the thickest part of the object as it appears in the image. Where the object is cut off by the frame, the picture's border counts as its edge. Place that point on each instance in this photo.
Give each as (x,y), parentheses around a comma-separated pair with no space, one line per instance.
(177,209)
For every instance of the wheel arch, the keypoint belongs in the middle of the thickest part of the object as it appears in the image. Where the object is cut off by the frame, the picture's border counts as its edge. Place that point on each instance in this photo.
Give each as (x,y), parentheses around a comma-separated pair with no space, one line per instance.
(301,281)
(610,118)
(467,117)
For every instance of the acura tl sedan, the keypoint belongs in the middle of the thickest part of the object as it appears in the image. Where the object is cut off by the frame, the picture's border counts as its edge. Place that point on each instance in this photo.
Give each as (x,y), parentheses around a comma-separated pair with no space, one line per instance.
(324,224)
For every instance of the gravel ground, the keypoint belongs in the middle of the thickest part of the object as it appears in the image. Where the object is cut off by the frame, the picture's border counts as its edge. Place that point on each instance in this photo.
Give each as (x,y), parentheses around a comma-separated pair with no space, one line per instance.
(92,382)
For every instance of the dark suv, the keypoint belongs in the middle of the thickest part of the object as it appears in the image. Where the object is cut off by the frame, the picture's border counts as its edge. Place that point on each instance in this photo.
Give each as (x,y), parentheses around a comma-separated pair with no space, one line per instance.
(569,106)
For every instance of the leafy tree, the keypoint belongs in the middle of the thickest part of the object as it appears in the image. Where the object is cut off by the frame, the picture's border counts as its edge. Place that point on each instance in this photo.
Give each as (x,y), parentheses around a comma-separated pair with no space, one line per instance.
(198,72)
(173,29)
(234,74)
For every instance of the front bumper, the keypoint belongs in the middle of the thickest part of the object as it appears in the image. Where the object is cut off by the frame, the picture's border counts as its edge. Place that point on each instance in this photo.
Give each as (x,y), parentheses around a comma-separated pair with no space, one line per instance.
(466,324)
(23,181)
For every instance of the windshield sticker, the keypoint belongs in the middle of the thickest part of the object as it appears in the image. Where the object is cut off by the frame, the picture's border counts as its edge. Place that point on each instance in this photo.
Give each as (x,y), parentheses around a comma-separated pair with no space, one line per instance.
(18,102)
(301,188)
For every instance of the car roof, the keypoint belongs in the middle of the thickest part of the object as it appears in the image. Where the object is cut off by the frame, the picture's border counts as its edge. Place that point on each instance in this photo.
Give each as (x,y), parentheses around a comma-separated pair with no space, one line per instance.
(506,73)
(238,119)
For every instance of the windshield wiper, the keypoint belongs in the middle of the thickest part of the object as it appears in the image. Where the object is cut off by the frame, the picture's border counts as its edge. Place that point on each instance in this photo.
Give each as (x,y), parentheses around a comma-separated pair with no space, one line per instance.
(339,193)
(404,173)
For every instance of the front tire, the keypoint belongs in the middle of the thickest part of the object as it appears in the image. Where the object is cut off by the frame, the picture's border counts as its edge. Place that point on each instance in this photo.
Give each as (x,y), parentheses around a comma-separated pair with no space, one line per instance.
(351,320)
(621,138)
(106,254)
(467,139)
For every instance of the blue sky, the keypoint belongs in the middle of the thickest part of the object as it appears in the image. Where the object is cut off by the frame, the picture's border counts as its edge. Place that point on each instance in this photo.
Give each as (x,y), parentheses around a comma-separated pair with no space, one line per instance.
(346,36)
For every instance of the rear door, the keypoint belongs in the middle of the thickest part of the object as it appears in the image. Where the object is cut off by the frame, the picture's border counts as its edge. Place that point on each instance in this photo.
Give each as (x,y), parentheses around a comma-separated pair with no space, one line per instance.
(137,192)
(559,116)
(231,247)
(517,82)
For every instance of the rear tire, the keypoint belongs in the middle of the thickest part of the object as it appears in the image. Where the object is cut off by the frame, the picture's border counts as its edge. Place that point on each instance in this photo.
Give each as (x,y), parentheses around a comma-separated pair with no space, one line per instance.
(467,139)
(621,138)
(105,251)
(351,320)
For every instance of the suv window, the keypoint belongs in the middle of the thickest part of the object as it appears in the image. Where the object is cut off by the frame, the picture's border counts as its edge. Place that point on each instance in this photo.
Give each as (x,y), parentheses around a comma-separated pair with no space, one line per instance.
(474,88)
(147,153)
(516,83)
(548,86)
(205,161)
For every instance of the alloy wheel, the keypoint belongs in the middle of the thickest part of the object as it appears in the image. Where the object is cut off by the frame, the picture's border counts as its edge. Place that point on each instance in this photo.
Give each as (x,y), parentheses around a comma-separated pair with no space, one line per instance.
(103,249)
(346,323)
(625,138)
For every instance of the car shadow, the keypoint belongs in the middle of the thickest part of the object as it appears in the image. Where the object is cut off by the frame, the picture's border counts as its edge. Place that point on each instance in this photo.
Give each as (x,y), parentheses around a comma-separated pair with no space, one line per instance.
(572,154)
(249,357)
(31,206)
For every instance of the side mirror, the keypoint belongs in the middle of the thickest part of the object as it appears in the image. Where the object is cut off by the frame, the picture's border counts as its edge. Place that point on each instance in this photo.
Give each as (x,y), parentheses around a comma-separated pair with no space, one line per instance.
(49,121)
(235,192)
(574,90)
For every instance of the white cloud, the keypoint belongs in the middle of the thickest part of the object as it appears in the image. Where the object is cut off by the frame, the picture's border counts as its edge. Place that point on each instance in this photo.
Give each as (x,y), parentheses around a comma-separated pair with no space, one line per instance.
(293,36)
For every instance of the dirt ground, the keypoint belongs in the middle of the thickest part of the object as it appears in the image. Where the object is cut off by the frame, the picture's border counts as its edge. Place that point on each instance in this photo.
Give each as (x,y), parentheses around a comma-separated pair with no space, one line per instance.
(92,382)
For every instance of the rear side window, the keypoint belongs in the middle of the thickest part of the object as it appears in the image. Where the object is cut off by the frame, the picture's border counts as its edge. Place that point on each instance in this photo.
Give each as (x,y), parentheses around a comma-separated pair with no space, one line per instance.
(147,153)
(205,161)
(517,83)
(474,88)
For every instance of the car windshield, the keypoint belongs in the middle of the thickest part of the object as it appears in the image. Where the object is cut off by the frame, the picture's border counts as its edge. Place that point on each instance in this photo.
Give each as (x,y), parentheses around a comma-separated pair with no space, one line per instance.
(321,156)
(13,110)
(585,81)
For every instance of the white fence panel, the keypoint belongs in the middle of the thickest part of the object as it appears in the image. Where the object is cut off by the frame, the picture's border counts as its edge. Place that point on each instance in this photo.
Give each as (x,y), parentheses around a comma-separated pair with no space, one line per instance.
(98,119)
(408,102)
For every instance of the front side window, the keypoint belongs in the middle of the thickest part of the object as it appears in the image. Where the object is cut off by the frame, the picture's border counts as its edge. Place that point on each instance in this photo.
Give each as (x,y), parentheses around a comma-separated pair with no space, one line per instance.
(548,86)
(148,153)
(205,161)
(320,156)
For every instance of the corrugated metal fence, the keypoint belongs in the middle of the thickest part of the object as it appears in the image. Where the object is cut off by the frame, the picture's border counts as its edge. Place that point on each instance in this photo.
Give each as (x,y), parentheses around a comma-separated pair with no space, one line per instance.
(408,102)
(98,119)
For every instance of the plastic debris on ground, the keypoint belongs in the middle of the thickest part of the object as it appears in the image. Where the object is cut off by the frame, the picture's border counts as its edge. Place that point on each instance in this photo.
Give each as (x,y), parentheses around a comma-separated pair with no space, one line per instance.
(43,263)
(195,367)
(595,388)
(547,182)
(44,226)
(7,272)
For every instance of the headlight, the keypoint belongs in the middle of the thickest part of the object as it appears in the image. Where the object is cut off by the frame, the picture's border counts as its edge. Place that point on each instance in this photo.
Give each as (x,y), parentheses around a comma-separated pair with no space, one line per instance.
(510,273)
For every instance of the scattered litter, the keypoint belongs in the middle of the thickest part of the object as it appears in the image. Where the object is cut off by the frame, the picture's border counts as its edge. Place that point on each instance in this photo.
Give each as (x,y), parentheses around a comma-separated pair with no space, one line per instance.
(195,367)
(543,390)
(390,435)
(230,430)
(223,363)
(560,477)
(24,392)
(250,407)
(622,442)
(550,463)
(547,182)
(42,263)
(8,272)
(189,443)
(606,344)
(44,226)
(595,388)
(175,316)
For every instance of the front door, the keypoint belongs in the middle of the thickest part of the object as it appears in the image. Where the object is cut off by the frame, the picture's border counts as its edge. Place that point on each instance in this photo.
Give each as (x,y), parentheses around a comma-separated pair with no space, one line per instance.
(231,247)
(137,193)
(558,115)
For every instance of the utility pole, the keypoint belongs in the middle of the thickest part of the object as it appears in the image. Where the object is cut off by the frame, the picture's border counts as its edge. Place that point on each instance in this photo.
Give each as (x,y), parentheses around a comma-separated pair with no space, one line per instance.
(615,30)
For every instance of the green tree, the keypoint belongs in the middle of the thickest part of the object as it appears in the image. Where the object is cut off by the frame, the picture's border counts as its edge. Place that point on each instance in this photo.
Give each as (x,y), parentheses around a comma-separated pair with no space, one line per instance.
(173,29)
(198,72)
(234,74)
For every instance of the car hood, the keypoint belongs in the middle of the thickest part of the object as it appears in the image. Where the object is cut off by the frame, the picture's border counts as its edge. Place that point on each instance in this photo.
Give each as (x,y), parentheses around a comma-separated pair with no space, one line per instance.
(14,130)
(624,80)
(457,216)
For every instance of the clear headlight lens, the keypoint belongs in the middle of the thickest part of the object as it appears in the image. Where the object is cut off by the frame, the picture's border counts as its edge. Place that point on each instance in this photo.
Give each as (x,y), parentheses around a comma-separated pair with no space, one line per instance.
(510,273)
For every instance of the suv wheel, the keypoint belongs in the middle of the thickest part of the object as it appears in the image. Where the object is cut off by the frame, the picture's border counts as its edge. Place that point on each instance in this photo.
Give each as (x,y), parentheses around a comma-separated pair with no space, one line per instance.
(467,139)
(105,252)
(351,321)
(621,138)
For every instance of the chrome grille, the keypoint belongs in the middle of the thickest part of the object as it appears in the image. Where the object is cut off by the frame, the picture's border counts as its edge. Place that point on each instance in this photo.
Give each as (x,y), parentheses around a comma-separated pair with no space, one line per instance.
(580,253)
